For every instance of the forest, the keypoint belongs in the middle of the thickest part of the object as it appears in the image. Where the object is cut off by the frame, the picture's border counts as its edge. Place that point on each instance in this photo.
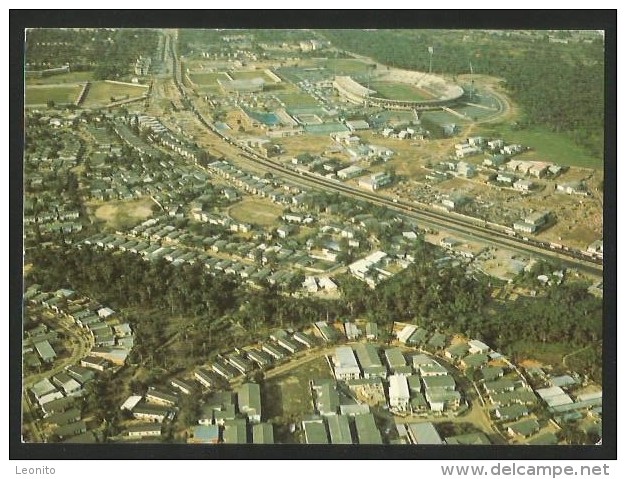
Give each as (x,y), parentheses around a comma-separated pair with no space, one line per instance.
(183,316)
(559,86)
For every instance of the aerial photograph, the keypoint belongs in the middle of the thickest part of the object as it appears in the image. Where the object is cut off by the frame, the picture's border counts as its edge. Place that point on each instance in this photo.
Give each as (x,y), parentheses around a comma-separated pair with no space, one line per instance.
(384,237)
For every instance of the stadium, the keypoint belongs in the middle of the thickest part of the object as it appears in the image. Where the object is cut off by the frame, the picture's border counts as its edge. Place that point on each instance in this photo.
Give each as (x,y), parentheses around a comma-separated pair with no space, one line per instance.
(400,90)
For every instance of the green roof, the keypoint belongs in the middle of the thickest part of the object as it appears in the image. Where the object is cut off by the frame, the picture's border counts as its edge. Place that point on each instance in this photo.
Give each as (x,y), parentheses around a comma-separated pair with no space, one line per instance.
(263,433)
(315,432)
(525,428)
(366,429)
(437,340)
(439,382)
(472,439)
(547,439)
(339,429)
(491,373)
(475,360)
(512,412)
(235,431)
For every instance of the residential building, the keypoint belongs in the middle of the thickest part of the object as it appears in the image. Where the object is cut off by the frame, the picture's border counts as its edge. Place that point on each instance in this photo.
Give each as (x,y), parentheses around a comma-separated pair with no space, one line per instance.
(144,430)
(326,396)
(315,431)
(398,393)
(263,433)
(396,362)
(423,433)
(367,432)
(367,355)
(346,366)
(339,429)
(235,431)
(204,434)
(525,428)
(249,399)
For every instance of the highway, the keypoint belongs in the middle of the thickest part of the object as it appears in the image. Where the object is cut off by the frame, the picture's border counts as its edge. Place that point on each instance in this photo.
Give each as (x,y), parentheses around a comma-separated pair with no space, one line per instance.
(476,230)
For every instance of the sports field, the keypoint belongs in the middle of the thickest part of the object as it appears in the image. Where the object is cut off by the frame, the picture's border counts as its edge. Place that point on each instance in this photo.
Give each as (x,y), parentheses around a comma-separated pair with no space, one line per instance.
(122,214)
(256,211)
(252,74)
(100,93)
(346,66)
(399,91)
(207,79)
(72,77)
(59,94)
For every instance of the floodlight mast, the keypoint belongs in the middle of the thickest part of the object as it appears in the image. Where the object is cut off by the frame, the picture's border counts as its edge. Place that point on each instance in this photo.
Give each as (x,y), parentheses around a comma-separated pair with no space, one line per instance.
(430,65)
(471,80)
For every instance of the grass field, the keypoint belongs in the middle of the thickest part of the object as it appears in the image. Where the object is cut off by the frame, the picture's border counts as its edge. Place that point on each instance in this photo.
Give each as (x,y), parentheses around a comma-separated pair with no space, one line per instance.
(120,214)
(399,91)
(345,66)
(100,93)
(256,211)
(252,74)
(207,79)
(544,353)
(546,145)
(72,77)
(39,95)
(295,100)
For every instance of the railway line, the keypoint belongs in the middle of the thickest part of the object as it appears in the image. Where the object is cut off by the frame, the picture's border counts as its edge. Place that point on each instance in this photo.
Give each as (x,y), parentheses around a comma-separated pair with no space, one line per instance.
(471,228)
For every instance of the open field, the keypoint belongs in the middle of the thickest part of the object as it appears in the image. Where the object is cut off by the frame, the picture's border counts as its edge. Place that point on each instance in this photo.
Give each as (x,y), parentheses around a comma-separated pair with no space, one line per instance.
(61,94)
(72,77)
(207,79)
(399,91)
(295,100)
(256,211)
(346,66)
(119,214)
(100,93)
(546,145)
(252,74)
(289,395)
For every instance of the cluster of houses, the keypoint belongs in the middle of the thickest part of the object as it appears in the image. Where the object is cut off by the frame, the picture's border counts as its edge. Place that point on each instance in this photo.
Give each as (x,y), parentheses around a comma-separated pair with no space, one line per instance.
(111,340)
(533,222)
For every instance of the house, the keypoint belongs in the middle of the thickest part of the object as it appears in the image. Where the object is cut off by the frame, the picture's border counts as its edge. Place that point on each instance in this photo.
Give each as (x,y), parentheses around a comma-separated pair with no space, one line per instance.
(151,412)
(499,386)
(423,433)
(235,431)
(478,347)
(523,185)
(351,330)
(263,433)
(63,418)
(511,413)
(205,377)
(326,396)
(275,352)
(491,373)
(471,439)
(240,363)
(57,406)
(445,383)
(457,351)
(398,393)
(396,362)
(204,434)
(249,401)
(68,384)
(354,409)
(261,358)
(288,344)
(304,338)
(144,430)
(183,386)
(366,430)
(224,370)
(105,312)
(339,429)
(405,333)
(93,362)
(349,172)
(371,331)
(130,403)
(474,361)
(45,351)
(345,364)
(525,428)
(442,399)
(375,181)
(159,396)
(315,430)
(69,430)
(285,230)
(367,355)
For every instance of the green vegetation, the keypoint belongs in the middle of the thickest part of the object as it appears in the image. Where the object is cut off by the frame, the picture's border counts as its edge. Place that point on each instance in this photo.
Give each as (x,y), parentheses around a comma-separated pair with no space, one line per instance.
(559,86)
(72,77)
(344,66)
(256,211)
(399,91)
(547,145)
(207,79)
(101,93)
(58,94)
(296,100)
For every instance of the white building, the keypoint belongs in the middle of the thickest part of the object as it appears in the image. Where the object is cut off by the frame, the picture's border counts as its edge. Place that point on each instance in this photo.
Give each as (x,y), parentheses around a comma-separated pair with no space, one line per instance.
(399,396)
(346,366)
